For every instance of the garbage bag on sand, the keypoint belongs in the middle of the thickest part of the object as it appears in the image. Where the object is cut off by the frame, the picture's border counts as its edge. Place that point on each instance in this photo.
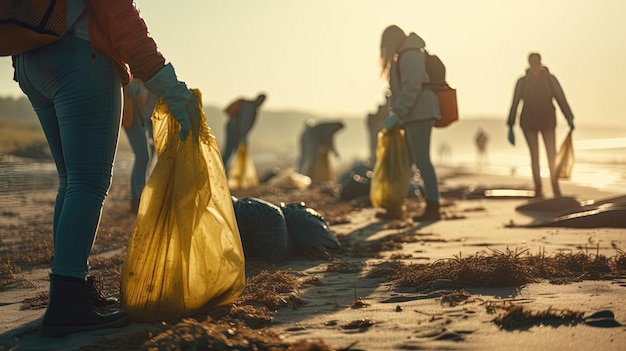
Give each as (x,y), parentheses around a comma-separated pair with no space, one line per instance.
(321,171)
(290,179)
(390,183)
(242,173)
(308,230)
(263,229)
(356,181)
(564,161)
(185,251)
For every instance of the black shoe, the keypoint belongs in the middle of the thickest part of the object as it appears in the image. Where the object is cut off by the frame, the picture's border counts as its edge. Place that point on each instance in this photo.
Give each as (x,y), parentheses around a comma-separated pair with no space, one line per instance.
(431,213)
(70,309)
(94,288)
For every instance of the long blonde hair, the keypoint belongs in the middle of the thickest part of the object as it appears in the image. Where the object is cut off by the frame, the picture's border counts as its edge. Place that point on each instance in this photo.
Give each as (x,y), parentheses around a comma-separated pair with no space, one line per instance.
(390,43)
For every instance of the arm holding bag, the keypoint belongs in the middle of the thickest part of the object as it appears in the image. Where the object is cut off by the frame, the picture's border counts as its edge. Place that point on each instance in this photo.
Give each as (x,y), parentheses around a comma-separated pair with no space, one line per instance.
(185,251)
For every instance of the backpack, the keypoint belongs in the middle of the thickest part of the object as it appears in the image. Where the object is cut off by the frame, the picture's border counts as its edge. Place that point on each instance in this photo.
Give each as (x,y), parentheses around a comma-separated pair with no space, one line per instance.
(445,94)
(434,67)
(30,24)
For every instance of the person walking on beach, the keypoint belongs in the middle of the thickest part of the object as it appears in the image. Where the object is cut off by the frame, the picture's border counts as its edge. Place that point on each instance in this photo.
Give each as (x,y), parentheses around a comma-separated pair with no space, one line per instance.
(242,115)
(481,139)
(538,88)
(139,103)
(75,86)
(402,59)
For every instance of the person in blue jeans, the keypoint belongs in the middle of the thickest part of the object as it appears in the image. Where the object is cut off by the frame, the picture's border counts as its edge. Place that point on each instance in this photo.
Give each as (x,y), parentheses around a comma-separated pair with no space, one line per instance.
(139,103)
(75,86)
(416,109)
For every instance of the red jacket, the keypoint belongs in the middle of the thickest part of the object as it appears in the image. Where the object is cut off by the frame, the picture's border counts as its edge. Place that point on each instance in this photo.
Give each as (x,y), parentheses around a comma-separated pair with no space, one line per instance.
(117,29)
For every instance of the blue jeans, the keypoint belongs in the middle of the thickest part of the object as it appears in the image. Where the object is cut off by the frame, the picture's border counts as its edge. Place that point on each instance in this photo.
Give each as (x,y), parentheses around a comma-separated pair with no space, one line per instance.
(76,93)
(418,135)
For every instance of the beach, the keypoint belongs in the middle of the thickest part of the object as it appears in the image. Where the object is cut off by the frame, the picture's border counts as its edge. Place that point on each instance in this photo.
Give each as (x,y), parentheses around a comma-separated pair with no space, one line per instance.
(347,300)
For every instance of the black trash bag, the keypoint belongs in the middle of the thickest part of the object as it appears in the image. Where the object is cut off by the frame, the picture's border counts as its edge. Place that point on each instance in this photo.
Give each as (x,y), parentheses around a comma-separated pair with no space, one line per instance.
(262,228)
(356,181)
(269,174)
(308,230)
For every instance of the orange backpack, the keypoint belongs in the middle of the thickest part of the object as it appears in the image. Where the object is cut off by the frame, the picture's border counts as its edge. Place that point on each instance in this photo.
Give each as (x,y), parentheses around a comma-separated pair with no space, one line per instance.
(29,24)
(234,107)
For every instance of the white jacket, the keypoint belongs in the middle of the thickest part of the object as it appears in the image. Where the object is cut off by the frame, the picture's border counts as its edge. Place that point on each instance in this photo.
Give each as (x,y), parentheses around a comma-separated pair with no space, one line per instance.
(408,100)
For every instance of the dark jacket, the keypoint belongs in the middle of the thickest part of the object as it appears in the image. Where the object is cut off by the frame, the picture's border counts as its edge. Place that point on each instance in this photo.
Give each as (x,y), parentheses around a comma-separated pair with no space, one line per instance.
(538,112)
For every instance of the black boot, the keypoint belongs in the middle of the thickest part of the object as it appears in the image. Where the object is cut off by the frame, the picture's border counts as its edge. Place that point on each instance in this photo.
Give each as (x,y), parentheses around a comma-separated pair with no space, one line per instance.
(431,213)
(70,309)
(94,288)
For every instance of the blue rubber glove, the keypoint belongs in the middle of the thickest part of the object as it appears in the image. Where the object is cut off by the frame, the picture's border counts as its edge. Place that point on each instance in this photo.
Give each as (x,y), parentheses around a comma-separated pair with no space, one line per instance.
(511,135)
(180,100)
(391,121)
(570,122)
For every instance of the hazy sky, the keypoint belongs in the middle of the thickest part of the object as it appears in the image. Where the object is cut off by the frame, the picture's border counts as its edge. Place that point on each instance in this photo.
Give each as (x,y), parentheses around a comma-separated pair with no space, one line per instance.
(321,56)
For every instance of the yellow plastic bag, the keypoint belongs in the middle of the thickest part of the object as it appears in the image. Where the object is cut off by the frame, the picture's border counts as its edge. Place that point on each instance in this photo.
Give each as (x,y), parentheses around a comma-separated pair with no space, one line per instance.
(185,251)
(390,182)
(564,161)
(242,174)
(321,170)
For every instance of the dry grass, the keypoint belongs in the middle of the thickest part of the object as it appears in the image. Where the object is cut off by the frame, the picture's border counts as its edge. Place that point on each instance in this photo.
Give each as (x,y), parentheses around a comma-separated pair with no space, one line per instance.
(515,317)
(508,268)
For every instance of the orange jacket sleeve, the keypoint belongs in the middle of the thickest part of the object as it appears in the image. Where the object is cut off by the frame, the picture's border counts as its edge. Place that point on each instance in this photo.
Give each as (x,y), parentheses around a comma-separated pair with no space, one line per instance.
(117,29)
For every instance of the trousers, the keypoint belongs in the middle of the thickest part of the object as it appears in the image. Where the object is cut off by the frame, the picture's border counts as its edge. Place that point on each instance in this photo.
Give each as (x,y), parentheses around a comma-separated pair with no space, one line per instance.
(76,93)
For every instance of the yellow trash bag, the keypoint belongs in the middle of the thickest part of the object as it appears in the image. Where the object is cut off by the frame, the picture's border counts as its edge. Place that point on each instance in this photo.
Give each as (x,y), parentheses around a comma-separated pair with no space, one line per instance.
(564,161)
(321,170)
(390,182)
(242,173)
(185,251)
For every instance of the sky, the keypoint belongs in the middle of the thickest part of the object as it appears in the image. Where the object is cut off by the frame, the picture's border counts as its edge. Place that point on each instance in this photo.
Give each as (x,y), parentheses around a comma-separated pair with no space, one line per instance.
(321,56)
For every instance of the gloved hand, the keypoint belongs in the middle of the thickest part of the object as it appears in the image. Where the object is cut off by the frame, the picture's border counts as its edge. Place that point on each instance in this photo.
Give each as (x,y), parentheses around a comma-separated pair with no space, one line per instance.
(570,122)
(391,121)
(180,100)
(511,135)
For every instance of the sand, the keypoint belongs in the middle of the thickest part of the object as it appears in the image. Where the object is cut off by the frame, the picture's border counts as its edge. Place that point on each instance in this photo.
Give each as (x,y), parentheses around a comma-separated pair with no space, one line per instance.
(349,310)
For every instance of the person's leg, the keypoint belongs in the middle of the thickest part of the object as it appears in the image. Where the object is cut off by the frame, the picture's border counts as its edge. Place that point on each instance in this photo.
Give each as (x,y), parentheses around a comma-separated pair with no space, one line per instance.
(81,122)
(231,143)
(139,145)
(532,139)
(418,137)
(76,93)
(549,140)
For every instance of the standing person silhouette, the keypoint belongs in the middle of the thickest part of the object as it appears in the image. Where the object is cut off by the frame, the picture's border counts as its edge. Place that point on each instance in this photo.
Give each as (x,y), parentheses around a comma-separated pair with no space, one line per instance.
(242,115)
(403,62)
(481,139)
(139,103)
(538,88)
(75,86)
(376,123)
